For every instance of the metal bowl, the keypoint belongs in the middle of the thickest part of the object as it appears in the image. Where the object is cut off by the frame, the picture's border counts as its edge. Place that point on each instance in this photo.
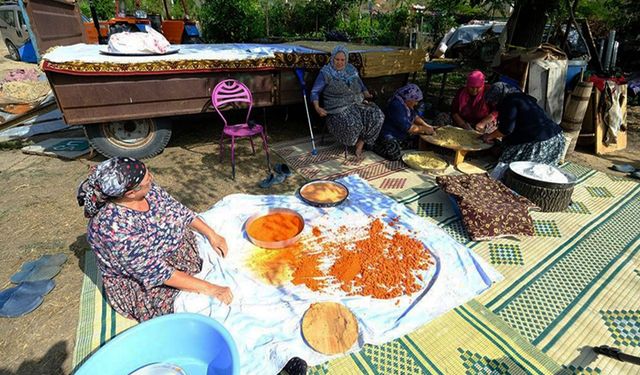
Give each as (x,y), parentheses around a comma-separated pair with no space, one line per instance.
(274,244)
(322,204)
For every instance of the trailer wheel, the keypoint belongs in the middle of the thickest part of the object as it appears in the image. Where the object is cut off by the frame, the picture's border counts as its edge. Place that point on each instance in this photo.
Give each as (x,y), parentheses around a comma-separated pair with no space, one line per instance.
(138,139)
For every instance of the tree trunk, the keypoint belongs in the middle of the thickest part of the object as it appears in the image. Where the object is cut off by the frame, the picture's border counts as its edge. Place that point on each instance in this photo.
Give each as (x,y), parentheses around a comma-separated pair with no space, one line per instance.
(528,21)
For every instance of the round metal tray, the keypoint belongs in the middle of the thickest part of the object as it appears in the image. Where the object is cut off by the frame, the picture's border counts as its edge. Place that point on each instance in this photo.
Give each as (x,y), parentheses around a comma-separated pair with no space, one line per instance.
(273,244)
(476,145)
(322,204)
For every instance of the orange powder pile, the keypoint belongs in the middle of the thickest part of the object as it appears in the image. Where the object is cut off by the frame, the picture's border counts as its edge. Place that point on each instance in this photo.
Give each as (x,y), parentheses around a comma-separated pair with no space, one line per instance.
(278,226)
(381,265)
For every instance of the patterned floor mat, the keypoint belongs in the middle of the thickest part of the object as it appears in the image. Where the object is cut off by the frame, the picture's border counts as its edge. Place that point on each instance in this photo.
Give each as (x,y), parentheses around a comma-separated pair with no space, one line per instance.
(575,284)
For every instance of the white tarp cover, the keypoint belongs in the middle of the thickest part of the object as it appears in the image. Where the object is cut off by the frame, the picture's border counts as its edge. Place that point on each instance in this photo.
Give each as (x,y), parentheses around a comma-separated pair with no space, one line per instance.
(91,53)
(265,320)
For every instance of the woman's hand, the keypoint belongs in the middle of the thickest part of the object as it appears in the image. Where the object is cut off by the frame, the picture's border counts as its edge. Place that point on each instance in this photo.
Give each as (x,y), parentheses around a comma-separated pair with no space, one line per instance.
(221,293)
(219,244)
(184,281)
(428,130)
(486,138)
(367,95)
(321,111)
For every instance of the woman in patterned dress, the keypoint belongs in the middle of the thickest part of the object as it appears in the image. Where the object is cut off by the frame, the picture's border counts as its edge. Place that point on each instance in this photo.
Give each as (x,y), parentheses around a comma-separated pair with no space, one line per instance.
(351,118)
(402,124)
(527,132)
(143,240)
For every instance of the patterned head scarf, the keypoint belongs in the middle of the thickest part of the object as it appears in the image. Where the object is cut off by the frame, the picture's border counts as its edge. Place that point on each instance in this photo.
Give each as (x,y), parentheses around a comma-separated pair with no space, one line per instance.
(408,92)
(346,74)
(498,91)
(109,179)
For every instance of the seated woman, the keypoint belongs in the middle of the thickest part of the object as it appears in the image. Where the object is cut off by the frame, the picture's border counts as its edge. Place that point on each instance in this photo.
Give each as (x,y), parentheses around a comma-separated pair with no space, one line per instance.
(143,240)
(527,133)
(401,122)
(469,110)
(350,117)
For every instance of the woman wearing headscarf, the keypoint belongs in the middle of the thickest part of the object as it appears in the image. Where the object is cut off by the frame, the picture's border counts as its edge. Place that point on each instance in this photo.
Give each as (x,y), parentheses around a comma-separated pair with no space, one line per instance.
(143,240)
(351,119)
(527,133)
(469,110)
(401,122)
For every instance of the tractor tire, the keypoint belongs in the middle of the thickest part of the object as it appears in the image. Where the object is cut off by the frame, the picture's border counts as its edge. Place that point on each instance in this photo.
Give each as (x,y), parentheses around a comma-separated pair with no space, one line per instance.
(138,139)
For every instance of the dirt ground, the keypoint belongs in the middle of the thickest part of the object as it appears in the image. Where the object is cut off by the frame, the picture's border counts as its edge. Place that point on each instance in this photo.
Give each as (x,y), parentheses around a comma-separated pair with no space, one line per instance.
(39,215)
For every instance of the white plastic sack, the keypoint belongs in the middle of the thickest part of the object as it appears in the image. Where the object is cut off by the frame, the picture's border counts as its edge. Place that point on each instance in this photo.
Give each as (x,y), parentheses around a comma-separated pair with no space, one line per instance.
(138,42)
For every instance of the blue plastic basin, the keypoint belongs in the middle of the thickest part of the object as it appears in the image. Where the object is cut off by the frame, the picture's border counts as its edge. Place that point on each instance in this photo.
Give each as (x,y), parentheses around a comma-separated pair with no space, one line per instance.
(197,344)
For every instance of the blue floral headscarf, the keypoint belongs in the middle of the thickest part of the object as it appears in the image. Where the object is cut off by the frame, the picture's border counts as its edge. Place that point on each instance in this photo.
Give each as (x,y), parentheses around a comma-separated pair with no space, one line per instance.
(409,91)
(347,74)
(498,91)
(109,179)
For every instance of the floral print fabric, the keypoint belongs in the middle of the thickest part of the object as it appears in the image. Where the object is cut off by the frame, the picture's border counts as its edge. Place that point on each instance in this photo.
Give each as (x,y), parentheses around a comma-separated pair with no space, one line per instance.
(489,209)
(137,252)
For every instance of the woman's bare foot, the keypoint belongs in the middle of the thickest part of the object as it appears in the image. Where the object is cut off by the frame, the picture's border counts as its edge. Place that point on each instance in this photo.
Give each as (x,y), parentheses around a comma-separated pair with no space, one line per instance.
(359,148)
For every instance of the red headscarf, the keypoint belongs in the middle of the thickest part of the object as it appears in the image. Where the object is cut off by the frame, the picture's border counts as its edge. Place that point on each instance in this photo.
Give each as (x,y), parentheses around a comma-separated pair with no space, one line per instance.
(466,109)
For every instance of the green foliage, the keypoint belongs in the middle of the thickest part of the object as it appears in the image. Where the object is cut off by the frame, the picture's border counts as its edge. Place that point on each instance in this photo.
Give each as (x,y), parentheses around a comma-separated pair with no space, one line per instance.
(104,8)
(226,21)
(390,25)
(354,24)
(618,14)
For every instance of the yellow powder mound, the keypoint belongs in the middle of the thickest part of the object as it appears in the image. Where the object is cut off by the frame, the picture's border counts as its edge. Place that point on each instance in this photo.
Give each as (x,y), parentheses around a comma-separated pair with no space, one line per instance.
(456,137)
(424,160)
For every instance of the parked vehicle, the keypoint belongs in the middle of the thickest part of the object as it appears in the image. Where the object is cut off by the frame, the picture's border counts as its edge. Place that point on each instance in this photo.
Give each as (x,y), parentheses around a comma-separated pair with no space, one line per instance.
(183,31)
(126,109)
(13,29)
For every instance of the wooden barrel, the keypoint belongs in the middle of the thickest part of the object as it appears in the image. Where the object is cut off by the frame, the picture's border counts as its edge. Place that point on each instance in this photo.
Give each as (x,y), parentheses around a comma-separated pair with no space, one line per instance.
(574,112)
(576,107)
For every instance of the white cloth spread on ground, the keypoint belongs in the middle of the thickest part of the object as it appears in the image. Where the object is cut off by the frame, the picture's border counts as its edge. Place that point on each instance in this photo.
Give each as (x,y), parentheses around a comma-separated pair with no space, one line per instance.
(265,320)
(90,53)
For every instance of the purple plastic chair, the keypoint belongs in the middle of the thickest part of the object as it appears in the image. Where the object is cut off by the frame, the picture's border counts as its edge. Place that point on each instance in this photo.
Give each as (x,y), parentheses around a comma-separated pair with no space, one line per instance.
(228,93)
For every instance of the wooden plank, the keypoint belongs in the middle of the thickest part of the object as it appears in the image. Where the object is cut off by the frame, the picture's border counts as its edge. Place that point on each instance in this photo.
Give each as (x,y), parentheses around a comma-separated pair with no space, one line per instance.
(55,23)
(459,157)
(93,99)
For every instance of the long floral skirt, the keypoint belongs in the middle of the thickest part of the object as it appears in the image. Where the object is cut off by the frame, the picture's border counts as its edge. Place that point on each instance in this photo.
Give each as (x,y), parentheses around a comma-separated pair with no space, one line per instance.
(356,122)
(130,298)
(547,152)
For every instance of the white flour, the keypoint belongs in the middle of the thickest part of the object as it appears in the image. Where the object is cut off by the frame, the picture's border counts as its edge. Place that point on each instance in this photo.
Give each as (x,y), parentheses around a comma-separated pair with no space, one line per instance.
(544,172)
